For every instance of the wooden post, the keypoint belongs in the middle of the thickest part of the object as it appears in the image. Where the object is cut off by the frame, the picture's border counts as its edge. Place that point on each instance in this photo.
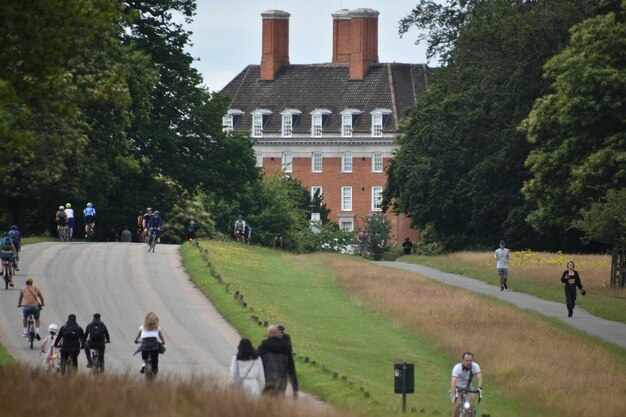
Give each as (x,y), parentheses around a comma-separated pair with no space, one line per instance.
(618,267)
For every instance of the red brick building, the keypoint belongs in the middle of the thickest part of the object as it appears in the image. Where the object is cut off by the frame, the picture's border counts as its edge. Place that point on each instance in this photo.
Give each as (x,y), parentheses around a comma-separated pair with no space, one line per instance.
(331,125)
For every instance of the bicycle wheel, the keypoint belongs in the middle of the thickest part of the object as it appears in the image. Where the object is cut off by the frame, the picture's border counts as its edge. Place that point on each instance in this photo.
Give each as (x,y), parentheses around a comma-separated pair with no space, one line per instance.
(5,275)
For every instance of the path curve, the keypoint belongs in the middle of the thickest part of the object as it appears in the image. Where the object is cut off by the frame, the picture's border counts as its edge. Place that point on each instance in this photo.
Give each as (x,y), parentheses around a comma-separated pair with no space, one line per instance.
(611,331)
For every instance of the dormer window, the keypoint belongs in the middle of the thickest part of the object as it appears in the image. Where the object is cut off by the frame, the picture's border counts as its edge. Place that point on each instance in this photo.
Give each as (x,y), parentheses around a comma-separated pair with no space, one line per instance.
(319,118)
(259,120)
(290,118)
(231,119)
(380,118)
(348,119)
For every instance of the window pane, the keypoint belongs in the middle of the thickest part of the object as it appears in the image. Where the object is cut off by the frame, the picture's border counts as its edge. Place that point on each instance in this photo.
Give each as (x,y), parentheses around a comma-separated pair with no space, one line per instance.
(287,125)
(346,125)
(377,162)
(227,123)
(346,225)
(257,125)
(346,198)
(377,125)
(259,160)
(316,125)
(377,198)
(287,162)
(346,162)
(317,162)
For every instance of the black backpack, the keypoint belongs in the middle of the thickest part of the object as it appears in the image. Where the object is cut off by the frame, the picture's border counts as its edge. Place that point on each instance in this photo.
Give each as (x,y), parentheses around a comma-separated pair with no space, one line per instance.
(62,218)
(71,332)
(96,332)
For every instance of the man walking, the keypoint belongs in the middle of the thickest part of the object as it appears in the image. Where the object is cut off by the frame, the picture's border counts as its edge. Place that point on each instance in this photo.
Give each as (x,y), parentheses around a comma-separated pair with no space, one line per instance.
(502,265)
(278,364)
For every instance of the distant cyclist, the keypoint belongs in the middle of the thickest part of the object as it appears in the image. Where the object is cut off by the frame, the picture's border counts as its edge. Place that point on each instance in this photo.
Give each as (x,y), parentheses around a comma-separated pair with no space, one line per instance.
(31,296)
(96,335)
(239,228)
(8,254)
(140,225)
(69,213)
(191,230)
(16,238)
(89,213)
(156,223)
(61,220)
(463,375)
(146,218)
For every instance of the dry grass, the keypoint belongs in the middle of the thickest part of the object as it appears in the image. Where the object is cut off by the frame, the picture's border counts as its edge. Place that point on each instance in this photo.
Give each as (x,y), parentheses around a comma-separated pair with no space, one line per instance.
(30,392)
(531,360)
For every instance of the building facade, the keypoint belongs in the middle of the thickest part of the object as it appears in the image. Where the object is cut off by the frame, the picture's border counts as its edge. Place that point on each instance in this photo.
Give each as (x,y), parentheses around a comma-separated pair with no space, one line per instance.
(330,125)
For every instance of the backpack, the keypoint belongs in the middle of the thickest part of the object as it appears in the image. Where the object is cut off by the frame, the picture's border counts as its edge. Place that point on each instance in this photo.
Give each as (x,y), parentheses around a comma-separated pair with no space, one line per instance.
(62,218)
(6,242)
(96,332)
(71,333)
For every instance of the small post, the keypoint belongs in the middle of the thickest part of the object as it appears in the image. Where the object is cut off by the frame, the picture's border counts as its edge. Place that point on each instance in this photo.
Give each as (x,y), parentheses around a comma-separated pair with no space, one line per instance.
(404,387)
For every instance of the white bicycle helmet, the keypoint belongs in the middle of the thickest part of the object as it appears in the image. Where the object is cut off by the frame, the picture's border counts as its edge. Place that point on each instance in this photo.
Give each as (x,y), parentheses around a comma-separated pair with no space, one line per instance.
(53,328)
(61,208)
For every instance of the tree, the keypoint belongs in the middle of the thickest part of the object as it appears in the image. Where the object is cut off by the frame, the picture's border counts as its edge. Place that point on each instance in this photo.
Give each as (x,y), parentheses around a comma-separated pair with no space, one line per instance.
(378,229)
(579,129)
(460,164)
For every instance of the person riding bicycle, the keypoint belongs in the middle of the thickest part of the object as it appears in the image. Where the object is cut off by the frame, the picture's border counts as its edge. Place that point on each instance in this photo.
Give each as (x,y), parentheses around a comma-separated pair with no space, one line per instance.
(156,223)
(47,347)
(462,377)
(191,230)
(149,335)
(240,227)
(69,213)
(61,219)
(16,238)
(89,213)
(247,235)
(146,219)
(71,335)
(30,295)
(8,254)
(96,336)
(140,225)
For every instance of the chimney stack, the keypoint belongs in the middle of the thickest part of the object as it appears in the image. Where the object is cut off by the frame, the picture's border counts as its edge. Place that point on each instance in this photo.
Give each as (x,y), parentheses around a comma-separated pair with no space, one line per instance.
(275,43)
(342,35)
(364,28)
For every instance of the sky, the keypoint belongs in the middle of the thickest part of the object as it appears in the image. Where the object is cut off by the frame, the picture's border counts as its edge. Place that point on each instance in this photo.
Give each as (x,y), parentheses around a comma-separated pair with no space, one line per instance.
(227,34)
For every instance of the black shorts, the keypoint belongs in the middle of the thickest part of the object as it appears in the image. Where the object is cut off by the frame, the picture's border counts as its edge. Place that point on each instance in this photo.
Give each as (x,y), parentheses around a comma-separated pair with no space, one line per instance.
(90,219)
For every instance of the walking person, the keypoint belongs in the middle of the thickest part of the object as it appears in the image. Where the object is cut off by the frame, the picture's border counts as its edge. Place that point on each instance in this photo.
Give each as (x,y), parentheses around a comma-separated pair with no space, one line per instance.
(502,265)
(463,375)
(363,238)
(571,279)
(70,339)
(247,370)
(127,236)
(282,334)
(407,246)
(278,364)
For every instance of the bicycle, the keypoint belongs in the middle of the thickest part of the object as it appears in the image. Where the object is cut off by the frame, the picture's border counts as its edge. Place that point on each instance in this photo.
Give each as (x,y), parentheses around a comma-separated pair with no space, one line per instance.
(152,239)
(90,232)
(67,364)
(148,371)
(53,362)
(466,406)
(63,233)
(97,358)
(30,330)
(6,273)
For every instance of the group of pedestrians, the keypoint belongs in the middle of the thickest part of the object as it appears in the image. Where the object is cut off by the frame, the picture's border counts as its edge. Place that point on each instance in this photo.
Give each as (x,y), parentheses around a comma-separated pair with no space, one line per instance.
(268,369)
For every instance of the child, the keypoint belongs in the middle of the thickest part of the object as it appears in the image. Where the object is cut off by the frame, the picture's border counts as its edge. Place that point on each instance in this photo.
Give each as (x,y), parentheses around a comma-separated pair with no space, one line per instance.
(47,348)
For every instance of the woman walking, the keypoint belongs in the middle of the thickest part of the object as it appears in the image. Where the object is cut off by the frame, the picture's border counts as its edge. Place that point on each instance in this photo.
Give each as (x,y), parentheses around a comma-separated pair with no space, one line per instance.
(246,369)
(571,279)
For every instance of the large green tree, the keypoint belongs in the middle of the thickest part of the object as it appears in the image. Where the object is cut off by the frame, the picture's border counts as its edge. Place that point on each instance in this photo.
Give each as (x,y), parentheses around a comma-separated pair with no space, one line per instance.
(460,165)
(579,130)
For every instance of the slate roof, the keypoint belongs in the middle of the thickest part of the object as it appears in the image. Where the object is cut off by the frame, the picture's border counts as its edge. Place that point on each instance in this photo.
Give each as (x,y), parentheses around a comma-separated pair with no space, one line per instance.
(392,86)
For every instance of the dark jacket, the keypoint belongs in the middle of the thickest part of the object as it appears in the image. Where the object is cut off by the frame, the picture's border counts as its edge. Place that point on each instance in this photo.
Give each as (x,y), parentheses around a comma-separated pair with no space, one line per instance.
(278,364)
(70,337)
(571,281)
(91,329)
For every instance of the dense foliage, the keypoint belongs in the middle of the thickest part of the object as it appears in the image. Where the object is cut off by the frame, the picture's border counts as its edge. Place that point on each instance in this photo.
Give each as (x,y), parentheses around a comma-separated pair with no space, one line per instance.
(461,166)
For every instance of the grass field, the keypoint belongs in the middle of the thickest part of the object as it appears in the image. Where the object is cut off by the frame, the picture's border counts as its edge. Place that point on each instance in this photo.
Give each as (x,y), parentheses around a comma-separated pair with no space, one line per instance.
(355,318)
(539,274)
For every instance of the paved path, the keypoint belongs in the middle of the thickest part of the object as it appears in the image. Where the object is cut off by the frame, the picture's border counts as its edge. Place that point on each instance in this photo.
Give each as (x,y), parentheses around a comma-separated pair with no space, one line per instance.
(612,331)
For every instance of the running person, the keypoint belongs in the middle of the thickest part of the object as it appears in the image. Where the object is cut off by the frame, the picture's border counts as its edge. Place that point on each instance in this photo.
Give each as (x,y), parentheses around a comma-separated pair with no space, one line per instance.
(69,213)
(571,279)
(89,213)
(463,375)
(31,296)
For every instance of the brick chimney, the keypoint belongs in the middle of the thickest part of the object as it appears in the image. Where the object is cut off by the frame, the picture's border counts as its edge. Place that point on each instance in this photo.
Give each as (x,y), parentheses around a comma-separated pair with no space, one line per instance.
(275,43)
(364,51)
(342,36)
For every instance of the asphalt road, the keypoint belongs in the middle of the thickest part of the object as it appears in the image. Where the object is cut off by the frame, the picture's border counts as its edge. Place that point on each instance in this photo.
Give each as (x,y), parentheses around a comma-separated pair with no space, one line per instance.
(122,282)
(612,331)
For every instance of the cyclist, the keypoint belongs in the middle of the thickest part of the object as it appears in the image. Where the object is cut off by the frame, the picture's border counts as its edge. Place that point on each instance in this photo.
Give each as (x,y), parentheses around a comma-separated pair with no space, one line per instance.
(60,219)
(191,230)
(30,295)
(16,238)
(69,213)
(140,225)
(8,254)
(72,336)
(247,235)
(96,335)
(156,222)
(89,213)
(149,335)
(47,346)
(146,218)
(240,227)
(462,375)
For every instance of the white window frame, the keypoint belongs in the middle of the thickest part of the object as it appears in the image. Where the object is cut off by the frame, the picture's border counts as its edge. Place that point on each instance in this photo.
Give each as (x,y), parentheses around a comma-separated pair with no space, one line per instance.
(259,160)
(379,119)
(259,119)
(227,123)
(346,198)
(314,188)
(318,118)
(289,118)
(317,164)
(346,162)
(348,116)
(377,198)
(377,162)
(349,223)
(287,162)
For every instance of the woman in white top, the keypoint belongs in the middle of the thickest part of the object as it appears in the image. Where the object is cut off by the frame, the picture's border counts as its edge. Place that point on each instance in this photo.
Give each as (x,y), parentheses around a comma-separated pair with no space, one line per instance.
(149,335)
(246,369)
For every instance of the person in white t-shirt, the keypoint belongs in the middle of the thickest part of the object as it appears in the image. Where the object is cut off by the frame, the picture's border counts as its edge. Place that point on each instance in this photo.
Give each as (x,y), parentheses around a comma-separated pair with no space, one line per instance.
(247,370)
(69,215)
(502,265)
(463,376)
(151,338)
